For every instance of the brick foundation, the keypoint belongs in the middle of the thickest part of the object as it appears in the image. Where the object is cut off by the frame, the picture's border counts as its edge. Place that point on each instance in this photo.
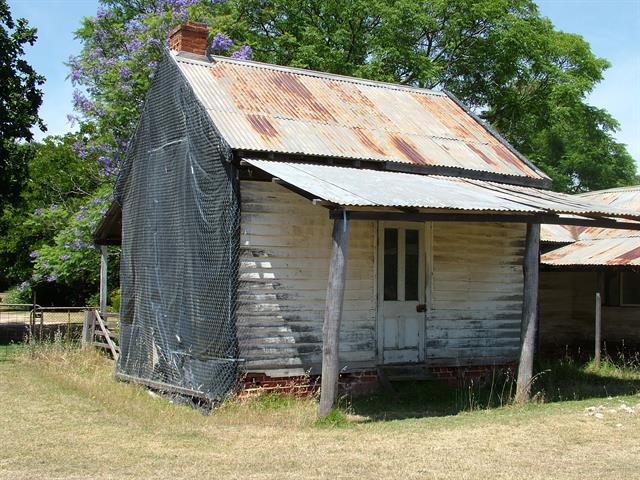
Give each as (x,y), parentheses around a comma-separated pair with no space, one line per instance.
(365,382)
(352,383)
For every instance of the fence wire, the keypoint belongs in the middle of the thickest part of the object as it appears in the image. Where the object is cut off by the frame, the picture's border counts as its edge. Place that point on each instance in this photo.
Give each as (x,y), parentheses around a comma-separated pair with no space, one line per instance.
(180,245)
(31,322)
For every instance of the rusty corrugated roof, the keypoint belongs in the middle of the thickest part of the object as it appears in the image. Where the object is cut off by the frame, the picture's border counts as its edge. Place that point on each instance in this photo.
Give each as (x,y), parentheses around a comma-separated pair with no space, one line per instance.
(262,107)
(360,187)
(624,251)
(627,198)
(597,246)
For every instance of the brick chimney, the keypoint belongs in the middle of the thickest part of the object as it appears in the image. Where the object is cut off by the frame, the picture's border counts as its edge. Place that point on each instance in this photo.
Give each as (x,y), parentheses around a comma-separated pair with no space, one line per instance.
(189,37)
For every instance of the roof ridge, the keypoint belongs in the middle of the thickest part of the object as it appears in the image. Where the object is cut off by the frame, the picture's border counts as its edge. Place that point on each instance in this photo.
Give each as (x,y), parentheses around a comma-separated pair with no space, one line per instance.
(212,59)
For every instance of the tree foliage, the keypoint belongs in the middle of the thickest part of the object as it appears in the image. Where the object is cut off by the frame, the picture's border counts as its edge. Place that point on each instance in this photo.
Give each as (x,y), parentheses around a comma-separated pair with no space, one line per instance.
(501,57)
(56,177)
(20,99)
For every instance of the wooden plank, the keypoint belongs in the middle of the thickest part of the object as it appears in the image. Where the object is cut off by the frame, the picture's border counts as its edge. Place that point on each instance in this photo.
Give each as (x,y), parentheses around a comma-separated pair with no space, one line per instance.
(529,313)
(112,346)
(333,316)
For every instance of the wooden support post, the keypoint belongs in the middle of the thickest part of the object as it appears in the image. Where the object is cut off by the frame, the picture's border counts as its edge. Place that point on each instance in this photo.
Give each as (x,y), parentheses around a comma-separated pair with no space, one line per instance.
(103,280)
(529,312)
(333,316)
(598,329)
(88,328)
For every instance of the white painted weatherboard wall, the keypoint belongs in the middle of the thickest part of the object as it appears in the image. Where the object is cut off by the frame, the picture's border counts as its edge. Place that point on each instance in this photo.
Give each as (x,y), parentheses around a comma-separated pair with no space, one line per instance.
(477,294)
(476,288)
(285,246)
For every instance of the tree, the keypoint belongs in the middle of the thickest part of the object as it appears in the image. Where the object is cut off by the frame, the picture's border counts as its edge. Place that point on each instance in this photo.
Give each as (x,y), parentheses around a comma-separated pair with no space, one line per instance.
(500,57)
(56,176)
(20,99)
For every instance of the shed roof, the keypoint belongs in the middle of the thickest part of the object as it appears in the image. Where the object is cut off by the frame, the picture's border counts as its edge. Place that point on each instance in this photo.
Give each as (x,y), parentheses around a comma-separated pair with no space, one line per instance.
(623,251)
(627,198)
(594,246)
(269,108)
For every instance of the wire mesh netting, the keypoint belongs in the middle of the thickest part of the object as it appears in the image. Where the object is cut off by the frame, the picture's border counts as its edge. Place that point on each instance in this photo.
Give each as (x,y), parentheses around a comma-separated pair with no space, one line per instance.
(180,243)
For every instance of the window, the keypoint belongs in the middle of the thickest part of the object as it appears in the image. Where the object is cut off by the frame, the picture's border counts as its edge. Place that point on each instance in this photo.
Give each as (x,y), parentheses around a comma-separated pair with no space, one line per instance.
(622,288)
(401,263)
(629,288)
(612,289)
(391,264)
(411,264)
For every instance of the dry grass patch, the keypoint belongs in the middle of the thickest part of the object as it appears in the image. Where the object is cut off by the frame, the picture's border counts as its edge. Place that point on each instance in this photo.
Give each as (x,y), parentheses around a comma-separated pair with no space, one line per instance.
(63,416)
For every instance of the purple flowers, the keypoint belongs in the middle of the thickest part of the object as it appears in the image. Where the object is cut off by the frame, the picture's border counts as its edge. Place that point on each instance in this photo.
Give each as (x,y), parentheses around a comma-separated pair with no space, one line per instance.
(37,211)
(53,206)
(64,258)
(125,73)
(221,42)
(108,168)
(79,149)
(51,278)
(243,53)
(82,103)
(34,254)
(22,286)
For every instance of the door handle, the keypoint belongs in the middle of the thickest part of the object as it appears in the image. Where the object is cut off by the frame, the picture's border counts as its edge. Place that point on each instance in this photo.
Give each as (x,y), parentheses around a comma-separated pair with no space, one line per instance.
(421,307)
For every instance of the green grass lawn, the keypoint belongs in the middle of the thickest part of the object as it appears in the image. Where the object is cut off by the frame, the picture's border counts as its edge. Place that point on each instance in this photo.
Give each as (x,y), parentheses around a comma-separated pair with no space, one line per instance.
(63,415)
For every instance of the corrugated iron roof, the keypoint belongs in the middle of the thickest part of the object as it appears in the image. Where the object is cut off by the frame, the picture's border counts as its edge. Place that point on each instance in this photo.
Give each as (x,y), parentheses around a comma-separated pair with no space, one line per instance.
(359,187)
(264,107)
(622,197)
(627,198)
(600,252)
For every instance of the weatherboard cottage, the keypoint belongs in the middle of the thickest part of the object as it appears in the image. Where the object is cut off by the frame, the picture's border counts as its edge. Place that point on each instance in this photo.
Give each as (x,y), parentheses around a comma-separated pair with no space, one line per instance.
(278,223)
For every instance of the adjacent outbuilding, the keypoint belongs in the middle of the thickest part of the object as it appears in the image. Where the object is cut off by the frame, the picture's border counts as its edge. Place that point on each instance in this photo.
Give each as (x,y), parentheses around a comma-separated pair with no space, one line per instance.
(581,262)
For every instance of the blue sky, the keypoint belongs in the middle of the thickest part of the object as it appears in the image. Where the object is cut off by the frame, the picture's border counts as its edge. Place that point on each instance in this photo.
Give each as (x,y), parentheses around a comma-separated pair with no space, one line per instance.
(612,27)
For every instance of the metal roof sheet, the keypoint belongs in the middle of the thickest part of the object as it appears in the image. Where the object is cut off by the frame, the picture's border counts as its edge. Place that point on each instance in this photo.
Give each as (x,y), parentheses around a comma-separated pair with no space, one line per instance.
(599,252)
(362,187)
(627,198)
(264,107)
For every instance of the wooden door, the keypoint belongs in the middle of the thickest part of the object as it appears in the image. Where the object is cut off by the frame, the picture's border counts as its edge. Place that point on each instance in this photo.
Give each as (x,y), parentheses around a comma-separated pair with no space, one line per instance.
(401,292)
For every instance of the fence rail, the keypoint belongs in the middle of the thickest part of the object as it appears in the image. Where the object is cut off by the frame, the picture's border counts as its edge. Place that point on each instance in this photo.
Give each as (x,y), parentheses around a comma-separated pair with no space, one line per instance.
(32,322)
(101,331)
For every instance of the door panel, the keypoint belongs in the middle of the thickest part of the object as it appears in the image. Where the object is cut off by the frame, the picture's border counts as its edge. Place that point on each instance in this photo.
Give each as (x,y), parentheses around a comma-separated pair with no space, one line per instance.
(402,283)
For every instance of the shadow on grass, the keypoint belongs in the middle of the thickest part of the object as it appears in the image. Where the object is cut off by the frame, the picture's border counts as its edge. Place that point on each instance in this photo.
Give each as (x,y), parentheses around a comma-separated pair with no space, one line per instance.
(567,380)
(556,381)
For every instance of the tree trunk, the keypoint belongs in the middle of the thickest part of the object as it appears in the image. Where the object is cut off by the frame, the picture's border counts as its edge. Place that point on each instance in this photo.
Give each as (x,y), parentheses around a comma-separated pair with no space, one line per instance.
(529,312)
(333,316)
